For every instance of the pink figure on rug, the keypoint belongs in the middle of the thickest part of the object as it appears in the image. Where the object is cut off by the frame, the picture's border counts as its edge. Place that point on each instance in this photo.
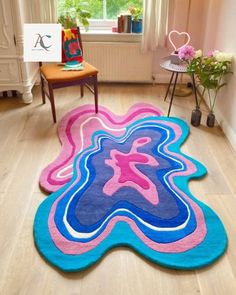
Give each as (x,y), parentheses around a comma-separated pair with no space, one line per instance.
(126,173)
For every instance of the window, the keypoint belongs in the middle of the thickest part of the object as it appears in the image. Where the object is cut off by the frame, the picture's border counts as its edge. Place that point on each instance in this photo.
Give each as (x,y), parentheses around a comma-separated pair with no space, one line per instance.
(103,12)
(109,9)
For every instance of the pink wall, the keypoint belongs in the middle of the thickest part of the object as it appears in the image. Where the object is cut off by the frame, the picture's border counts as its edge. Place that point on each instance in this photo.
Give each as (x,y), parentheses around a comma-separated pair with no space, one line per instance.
(182,19)
(220,33)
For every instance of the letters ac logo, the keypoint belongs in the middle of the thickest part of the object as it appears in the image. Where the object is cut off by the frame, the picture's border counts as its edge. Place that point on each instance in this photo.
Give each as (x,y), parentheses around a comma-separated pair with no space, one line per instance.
(40,41)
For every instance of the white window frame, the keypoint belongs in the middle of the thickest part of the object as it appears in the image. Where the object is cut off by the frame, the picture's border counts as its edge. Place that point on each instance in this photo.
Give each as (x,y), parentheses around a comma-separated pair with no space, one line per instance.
(102,24)
(101,31)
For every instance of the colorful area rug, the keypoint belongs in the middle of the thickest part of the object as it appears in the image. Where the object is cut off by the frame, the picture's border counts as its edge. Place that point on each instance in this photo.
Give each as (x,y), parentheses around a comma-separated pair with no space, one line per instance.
(59,172)
(130,189)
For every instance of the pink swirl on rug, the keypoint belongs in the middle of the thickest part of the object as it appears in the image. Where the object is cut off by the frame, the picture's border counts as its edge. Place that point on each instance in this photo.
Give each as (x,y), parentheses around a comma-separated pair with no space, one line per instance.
(75,132)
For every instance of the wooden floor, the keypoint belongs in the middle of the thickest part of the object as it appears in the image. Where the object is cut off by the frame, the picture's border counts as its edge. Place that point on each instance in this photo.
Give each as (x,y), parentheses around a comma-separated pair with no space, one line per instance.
(29,142)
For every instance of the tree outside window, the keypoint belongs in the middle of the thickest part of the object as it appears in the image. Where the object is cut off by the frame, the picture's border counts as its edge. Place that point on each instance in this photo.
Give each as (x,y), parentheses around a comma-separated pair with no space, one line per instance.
(101,9)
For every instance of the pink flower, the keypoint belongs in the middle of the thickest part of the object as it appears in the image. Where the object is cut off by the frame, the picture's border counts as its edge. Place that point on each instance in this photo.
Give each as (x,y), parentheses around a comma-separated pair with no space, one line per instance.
(210,53)
(186,52)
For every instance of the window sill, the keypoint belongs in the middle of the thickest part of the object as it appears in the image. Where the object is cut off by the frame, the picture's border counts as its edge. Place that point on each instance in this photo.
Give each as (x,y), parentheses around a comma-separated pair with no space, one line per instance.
(108,36)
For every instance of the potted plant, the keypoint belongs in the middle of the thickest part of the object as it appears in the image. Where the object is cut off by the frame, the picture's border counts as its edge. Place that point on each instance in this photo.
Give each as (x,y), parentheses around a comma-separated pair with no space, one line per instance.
(73,11)
(137,21)
(210,71)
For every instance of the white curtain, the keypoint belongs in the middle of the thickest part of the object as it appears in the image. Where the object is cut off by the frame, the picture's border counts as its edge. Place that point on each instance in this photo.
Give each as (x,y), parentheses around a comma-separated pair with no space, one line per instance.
(155,22)
(43,11)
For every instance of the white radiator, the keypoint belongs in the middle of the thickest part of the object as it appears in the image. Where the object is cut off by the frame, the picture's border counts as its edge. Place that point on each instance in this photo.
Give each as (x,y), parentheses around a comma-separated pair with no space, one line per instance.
(118,61)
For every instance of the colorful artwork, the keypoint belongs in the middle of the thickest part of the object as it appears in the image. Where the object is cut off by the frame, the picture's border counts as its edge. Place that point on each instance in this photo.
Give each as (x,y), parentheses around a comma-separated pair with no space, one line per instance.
(71,50)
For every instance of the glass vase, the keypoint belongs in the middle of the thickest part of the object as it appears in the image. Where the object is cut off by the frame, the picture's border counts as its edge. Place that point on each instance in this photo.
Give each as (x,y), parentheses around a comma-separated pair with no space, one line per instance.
(196,117)
(211,119)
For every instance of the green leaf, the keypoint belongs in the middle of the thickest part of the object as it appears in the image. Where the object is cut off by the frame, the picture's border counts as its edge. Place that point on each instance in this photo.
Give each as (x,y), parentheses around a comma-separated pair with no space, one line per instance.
(68,10)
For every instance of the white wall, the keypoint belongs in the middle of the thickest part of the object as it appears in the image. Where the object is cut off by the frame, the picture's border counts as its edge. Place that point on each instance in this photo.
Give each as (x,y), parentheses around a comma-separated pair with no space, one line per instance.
(220,33)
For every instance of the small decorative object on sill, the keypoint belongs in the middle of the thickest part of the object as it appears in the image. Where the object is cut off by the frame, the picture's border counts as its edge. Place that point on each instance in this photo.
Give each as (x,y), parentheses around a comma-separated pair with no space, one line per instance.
(124,23)
(127,23)
(114,29)
(120,23)
(137,22)
(211,119)
(137,26)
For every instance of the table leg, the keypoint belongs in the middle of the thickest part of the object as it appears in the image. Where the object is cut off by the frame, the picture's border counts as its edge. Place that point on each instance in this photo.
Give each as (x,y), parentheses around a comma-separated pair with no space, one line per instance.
(173,92)
(169,86)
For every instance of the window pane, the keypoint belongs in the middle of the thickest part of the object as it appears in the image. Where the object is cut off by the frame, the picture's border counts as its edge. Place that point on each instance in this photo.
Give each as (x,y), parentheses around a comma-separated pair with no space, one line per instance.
(115,7)
(96,9)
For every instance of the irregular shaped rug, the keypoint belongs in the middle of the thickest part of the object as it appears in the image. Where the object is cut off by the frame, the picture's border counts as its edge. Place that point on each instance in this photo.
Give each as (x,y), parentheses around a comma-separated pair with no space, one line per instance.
(75,131)
(131,190)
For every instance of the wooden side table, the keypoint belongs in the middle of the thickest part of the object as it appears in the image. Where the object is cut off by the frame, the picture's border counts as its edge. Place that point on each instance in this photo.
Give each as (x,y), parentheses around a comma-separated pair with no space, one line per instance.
(166,64)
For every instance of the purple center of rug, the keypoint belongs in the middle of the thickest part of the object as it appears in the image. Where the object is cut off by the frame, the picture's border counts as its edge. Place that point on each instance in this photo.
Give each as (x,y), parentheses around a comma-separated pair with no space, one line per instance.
(128,172)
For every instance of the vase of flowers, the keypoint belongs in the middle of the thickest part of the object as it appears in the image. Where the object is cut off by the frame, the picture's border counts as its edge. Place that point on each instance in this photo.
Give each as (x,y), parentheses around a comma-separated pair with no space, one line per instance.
(210,71)
(187,54)
(137,22)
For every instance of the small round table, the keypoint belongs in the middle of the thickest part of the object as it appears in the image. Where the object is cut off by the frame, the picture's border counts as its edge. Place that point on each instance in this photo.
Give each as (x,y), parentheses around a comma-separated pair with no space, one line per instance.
(175,69)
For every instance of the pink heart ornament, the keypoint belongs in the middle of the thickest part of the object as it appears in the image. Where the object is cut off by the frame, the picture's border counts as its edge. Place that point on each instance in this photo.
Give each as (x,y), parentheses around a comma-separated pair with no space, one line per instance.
(172,33)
